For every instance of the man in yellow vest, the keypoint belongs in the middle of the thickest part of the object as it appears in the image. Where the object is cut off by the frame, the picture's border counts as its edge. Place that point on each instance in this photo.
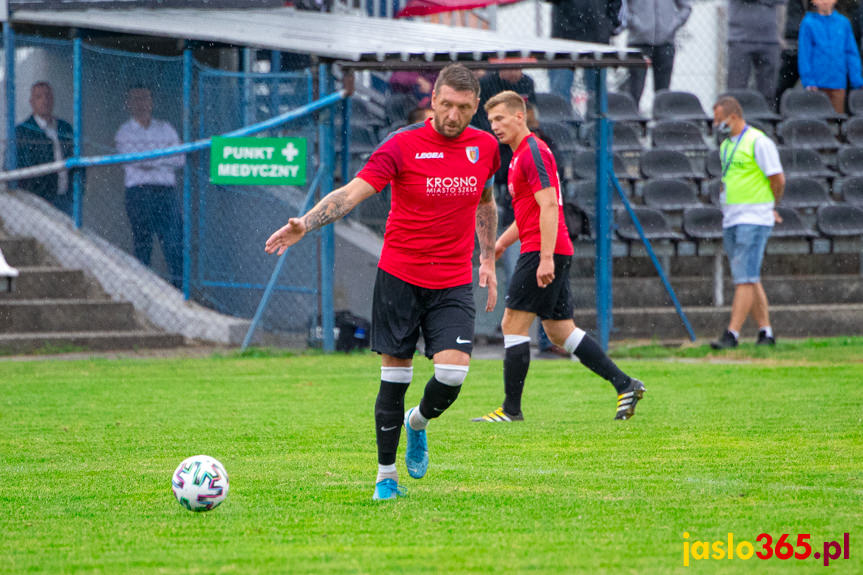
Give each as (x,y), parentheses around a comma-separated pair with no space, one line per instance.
(752,182)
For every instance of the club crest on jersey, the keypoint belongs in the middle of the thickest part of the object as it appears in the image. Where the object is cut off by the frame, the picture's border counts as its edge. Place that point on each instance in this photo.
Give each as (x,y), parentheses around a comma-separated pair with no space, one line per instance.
(472,154)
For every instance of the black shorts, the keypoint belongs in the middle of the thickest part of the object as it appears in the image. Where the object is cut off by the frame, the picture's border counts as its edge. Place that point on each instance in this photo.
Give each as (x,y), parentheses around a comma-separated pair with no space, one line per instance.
(552,301)
(400,310)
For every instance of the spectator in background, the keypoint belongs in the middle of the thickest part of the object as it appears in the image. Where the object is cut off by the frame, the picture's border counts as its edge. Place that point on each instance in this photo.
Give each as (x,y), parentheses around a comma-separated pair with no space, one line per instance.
(152,199)
(753,43)
(496,82)
(652,26)
(788,73)
(416,83)
(42,139)
(585,21)
(418,115)
(828,58)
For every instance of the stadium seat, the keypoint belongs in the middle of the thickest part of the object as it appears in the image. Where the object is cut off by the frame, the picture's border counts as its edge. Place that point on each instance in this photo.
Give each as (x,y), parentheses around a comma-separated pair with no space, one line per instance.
(855,102)
(668,164)
(714,189)
(622,109)
(809,133)
(853,130)
(623,139)
(399,106)
(703,223)
(837,220)
(671,105)
(584,166)
(803,162)
(562,135)
(808,104)
(754,105)
(678,135)
(364,113)
(554,108)
(670,195)
(791,225)
(583,193)
(714,164)
(852,190)
(363,140)
(850,161)
(652,221)
(802,192)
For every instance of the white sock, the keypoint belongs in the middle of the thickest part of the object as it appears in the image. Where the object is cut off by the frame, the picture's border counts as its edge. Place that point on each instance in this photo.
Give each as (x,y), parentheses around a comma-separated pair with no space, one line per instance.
(387,472)
(417,421)
(514,340)
(573,340)
(736,334)
(767,330)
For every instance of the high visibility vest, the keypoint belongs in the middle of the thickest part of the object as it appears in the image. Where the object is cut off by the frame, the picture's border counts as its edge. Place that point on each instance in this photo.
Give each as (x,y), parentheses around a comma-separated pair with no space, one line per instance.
(744,181)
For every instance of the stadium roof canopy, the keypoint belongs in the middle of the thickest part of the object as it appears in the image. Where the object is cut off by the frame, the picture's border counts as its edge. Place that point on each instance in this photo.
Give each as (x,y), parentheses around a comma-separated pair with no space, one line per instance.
(365,42)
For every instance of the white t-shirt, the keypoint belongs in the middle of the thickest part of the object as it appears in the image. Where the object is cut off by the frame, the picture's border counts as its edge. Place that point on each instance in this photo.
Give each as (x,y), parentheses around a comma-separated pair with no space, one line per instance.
(767,158)
(50,129)
(133,137)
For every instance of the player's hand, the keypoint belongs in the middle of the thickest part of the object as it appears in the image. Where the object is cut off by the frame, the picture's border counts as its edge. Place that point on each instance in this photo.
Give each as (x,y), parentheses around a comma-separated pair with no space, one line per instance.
(286,236)
(776,217)
(545,272)
(499,248)
(487,278)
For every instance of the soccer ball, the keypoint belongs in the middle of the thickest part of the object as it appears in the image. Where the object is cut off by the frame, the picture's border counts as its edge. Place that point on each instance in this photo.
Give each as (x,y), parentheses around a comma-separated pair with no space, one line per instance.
(200,483)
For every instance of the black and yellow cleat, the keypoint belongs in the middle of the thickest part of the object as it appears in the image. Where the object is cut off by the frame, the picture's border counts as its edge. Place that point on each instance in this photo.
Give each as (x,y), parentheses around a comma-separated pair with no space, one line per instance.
(628,399)
(499,416)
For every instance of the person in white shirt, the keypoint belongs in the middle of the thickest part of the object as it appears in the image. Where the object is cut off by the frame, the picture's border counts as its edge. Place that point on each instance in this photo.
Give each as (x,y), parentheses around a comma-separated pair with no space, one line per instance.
(43,139)
(152,198)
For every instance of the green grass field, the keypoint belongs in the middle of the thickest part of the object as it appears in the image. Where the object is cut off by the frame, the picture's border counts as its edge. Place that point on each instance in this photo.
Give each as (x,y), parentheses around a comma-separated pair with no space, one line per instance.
(745,446)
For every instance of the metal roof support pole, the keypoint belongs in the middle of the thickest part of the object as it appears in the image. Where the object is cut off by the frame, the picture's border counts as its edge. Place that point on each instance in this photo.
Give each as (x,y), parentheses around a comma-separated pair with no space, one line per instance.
(187,171)
(9,48)
(203,176)
(247,107)
(77,125)
(328,248)
(275,88)
(346,139)
(603,213)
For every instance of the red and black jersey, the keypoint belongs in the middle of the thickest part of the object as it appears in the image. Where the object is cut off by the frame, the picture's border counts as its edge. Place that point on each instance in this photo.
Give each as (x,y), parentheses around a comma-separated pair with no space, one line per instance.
(437,183)
(533,169)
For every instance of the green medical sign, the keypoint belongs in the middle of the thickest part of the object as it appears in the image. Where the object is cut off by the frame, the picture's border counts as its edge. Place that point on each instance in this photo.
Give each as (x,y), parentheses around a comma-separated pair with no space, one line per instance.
(258,161)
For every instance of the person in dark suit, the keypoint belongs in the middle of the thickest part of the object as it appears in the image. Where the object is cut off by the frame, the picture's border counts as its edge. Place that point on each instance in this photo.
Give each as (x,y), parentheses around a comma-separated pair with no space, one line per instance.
(42,139)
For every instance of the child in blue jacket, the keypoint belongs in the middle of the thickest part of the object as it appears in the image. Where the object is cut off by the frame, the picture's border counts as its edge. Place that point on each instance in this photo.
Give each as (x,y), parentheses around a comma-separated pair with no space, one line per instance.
(828,57)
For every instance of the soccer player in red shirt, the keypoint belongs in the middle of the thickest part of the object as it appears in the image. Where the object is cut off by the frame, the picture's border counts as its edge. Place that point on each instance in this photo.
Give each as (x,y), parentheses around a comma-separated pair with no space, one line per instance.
(540,283)
(442,176)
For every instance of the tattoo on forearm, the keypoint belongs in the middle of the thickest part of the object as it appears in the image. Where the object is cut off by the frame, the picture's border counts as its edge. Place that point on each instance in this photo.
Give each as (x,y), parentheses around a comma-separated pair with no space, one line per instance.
(328,210)
(486,228)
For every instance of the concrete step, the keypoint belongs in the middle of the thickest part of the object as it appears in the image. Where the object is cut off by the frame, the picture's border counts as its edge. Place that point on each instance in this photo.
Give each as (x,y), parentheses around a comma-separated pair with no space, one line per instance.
(698,291)
(32,316)
(708,322)
(43,282)
(21,252)
(62,342)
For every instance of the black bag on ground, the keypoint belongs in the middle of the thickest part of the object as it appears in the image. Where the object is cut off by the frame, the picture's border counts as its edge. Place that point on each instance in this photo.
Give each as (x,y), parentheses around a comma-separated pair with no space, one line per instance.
(353,331)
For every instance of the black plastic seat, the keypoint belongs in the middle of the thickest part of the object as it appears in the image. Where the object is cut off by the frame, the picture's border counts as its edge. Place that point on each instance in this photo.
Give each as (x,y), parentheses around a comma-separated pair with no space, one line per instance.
(668,164)
(754,105)
(672,105)
(365,113)
(803,162)
(852,190)
(398,106)
(807,133)
(853,131)
(807,104)
(652,221)
(621,109)
(791,225)
(555,108)
(670,195)
(703,223)
(850,161)
(583,193)
(840,220)
(802,192)
(363,139)
(584,166)
(624,138)
(679,135)
(563,135)
(714,189)
(714,164)
(855,102)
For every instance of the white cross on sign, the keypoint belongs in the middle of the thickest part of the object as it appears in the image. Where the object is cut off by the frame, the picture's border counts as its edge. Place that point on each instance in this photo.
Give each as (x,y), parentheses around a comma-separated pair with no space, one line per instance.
(290,152)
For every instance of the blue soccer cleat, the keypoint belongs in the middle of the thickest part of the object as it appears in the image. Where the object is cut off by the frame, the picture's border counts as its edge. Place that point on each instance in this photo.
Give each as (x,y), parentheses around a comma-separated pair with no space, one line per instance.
(417,452)
(387,489)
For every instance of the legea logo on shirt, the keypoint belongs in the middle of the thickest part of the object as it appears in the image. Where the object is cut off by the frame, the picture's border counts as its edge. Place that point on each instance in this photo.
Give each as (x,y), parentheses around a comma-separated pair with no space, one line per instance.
(455,185)
(429,156)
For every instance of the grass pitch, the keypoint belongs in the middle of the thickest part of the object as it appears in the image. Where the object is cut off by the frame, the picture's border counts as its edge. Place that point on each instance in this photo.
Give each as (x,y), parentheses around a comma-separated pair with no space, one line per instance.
(87,449)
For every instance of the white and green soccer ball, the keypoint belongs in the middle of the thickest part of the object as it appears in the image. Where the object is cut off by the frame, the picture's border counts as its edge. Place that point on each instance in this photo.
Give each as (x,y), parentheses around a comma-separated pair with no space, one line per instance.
(200,483)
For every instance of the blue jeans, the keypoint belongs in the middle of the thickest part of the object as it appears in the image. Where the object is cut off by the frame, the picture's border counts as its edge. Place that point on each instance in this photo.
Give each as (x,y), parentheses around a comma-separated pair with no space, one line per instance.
(155,211)
(744,245)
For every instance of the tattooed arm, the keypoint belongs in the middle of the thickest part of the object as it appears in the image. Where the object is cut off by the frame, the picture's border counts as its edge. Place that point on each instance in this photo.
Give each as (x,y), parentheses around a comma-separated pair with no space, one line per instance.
(331,208)
(486,233)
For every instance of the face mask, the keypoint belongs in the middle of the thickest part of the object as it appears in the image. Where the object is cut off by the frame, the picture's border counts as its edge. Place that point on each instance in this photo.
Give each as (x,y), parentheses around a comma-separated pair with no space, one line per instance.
(723,129)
